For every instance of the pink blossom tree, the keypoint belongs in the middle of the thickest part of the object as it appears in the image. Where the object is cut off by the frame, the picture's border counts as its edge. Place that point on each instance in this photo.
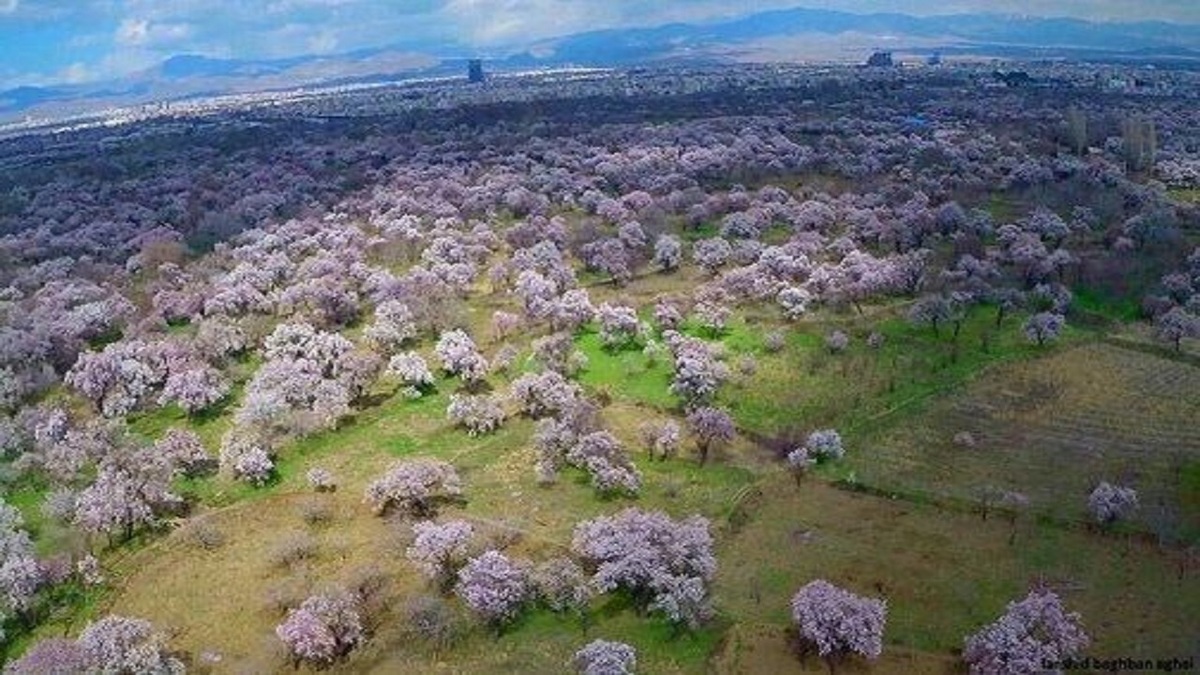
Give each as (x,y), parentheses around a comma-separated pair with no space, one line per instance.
(825,444)
(1031,633)
(478,414)
(711,427)
(439,549)
(619,325)
(838,623)
(1176,325)
(51,656)
(712,254)
(698,372)
(246,458)
(660,561)
(661,439)
(195,388)
(20,574)
(117,644)
(542,394)
(414,487)
(1043,327)
(394,325)
(413,372)
(323,629)
(602,657)
(460,357)
(493,587)
(1110,503)
(668,252)
(504,324)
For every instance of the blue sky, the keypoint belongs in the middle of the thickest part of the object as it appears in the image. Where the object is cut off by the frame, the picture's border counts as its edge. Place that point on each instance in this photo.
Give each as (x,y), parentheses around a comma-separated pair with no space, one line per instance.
(60,41)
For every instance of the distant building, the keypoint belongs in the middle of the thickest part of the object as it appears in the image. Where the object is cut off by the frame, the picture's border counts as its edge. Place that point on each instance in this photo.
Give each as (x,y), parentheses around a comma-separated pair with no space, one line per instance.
(935,59)
(880,60)
(475,70)
(1014,78)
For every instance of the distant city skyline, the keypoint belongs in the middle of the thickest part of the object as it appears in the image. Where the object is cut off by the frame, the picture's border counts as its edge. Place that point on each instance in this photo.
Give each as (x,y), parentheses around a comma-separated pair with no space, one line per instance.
(71,41)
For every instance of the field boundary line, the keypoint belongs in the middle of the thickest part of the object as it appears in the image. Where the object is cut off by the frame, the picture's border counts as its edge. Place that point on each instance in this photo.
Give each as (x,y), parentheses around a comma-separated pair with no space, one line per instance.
(1152,349)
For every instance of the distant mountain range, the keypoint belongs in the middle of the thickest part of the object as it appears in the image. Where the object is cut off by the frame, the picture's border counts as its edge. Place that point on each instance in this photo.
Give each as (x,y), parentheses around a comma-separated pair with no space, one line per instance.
(785,35)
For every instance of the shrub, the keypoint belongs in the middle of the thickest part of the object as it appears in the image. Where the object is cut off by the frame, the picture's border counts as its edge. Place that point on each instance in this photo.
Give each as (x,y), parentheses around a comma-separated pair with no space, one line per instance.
(836,342)
(204,536)
(321,480)
(431,620)
(316,511)
(774,341)
(292,548)
(561,584)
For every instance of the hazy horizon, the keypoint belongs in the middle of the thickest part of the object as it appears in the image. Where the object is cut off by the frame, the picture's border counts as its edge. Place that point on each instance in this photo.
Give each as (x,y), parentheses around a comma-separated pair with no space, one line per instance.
(55,42)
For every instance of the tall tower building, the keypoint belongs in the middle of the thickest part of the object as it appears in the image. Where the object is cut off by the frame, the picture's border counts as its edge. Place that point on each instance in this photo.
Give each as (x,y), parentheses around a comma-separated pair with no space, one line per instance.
(475,70)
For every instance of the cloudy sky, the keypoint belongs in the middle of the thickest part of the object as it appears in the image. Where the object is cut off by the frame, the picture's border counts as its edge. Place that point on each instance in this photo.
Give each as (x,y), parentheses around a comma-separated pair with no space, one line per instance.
(58,41)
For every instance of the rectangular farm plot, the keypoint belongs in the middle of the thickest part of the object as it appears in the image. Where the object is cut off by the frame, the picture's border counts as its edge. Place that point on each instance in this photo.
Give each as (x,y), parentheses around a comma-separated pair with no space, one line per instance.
(1051,429)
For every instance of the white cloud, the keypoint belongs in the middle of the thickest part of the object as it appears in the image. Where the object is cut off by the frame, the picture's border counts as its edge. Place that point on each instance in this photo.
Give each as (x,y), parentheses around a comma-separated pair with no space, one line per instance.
(323,43)
(285,6)
(8,6)
(75,73)
(144,33)
(133,31)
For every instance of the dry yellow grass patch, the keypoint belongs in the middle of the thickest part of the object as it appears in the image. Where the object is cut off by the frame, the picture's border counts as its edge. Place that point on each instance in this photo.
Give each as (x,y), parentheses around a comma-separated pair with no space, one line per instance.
(1052,428)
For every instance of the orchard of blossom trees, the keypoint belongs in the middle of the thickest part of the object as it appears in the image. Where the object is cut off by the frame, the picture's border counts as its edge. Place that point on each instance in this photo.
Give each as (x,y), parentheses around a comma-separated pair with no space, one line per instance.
(190,318)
